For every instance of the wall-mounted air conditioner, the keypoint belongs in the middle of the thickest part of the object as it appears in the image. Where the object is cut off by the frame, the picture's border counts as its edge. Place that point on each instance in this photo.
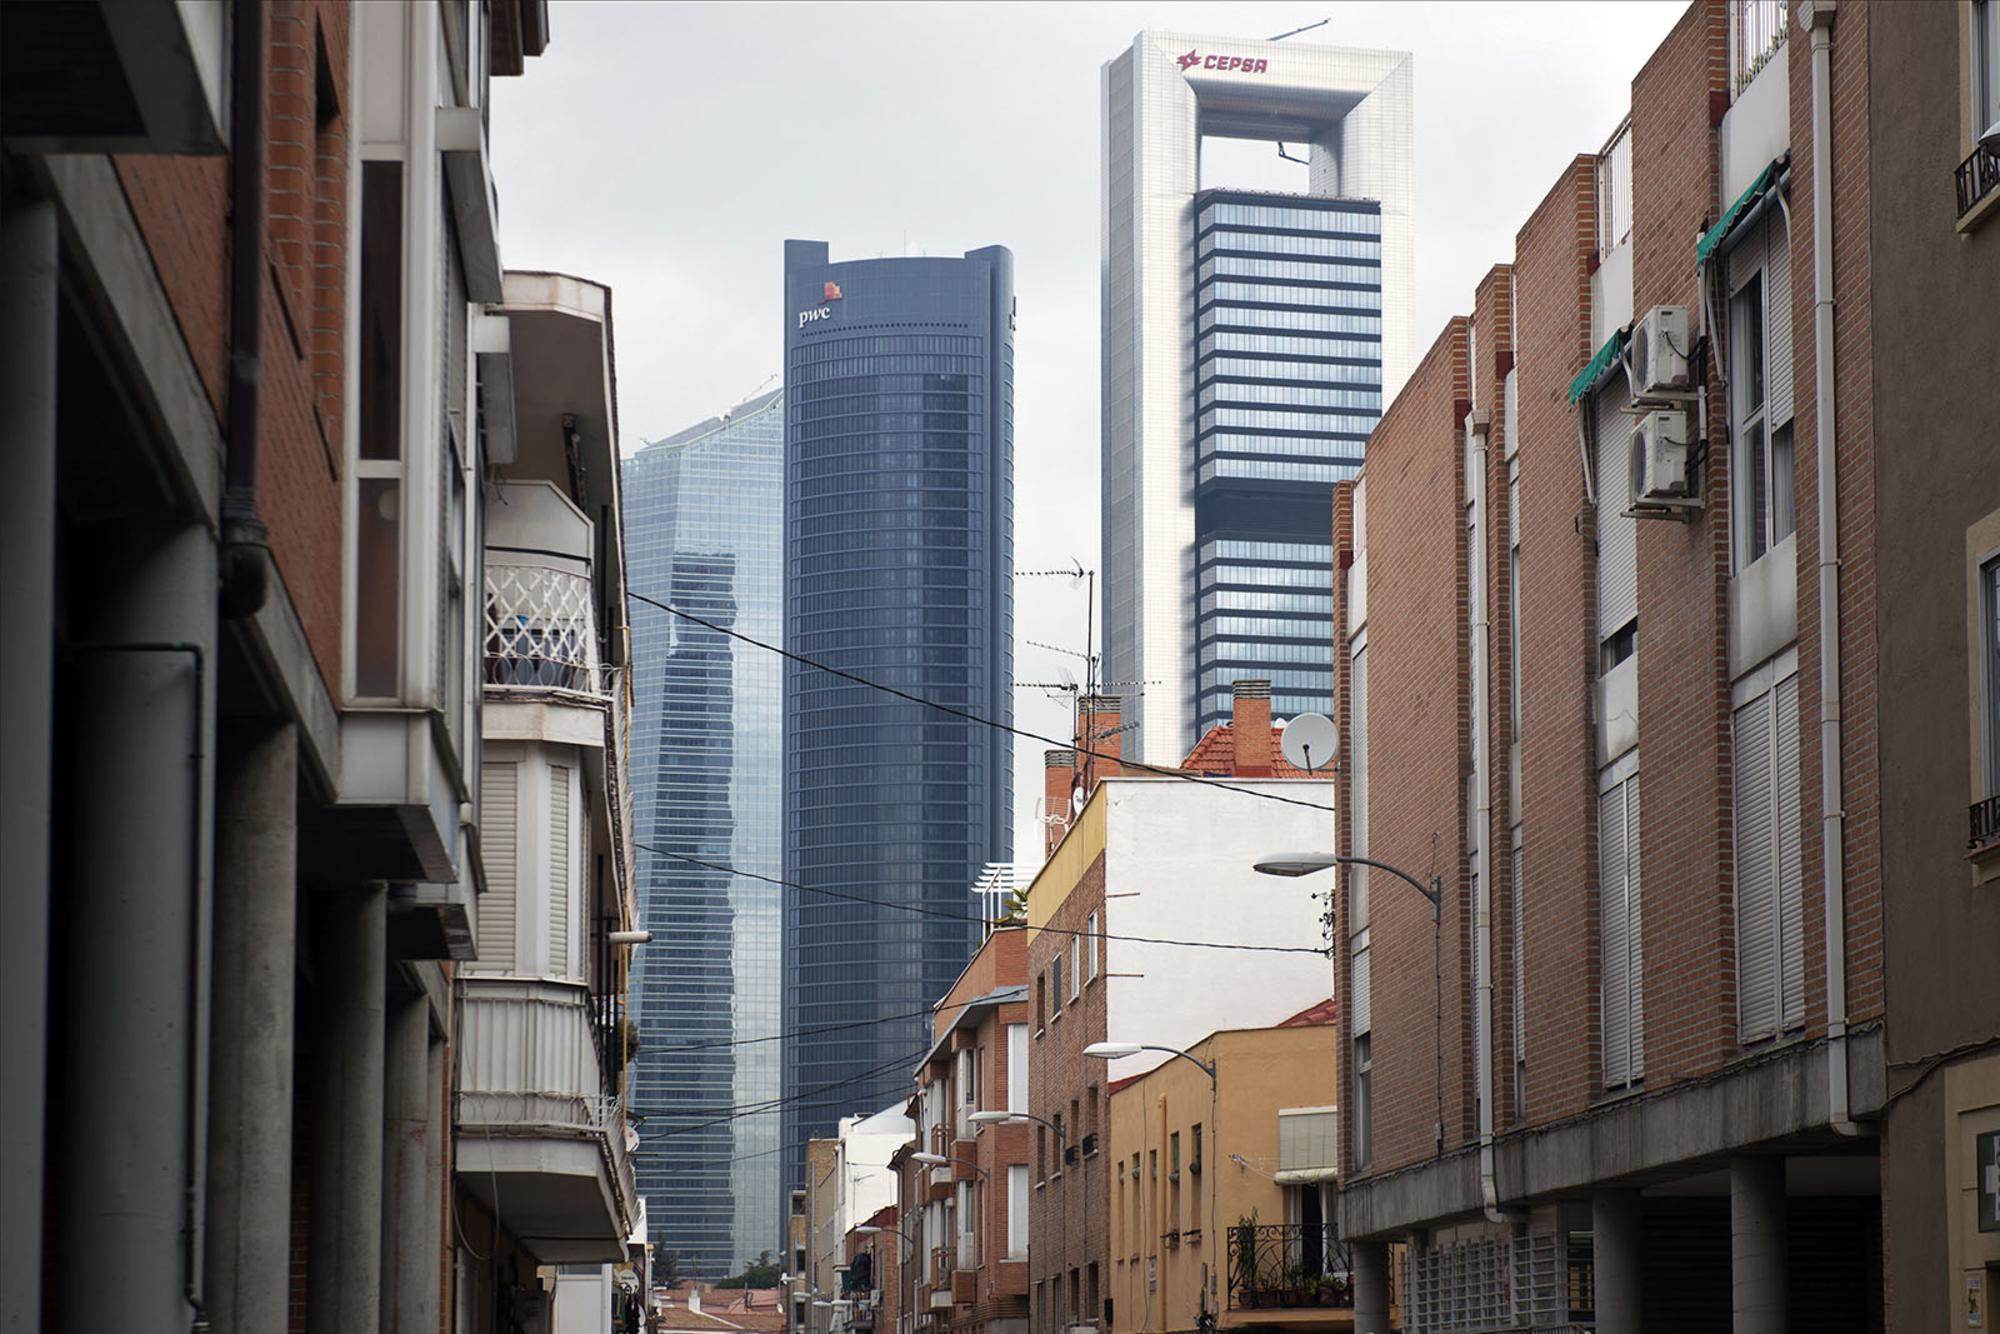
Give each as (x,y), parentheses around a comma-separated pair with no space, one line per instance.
(1660,473)
(1658,353)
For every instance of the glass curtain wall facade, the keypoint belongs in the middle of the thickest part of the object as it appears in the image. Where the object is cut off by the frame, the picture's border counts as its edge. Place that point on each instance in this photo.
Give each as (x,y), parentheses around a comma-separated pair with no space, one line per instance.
(1212,447)
(899,557)
(704,532)
(1288,384)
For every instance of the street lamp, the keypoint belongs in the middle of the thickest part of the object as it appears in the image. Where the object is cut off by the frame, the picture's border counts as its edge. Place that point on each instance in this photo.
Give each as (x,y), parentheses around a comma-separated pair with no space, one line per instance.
(1292,864)
(930,1159)
(1111,1051)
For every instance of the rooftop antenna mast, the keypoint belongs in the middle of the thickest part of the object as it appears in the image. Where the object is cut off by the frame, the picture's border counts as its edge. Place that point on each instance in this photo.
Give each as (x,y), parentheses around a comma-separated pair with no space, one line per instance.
(1279,38)
(1089,655)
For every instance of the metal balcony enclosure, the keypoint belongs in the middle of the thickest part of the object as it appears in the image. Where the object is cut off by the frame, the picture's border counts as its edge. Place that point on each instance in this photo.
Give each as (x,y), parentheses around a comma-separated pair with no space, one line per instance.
(1977,177)
(541,632)
(1274,1265)
(1983,820)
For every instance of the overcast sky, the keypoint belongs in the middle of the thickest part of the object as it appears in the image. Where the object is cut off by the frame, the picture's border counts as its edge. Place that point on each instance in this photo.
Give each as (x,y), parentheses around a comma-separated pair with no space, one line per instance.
(668,149)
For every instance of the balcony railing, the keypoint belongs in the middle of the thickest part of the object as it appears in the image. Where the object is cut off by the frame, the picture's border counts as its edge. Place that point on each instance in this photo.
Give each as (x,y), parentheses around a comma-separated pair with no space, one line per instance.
(541,628)
(1984,821)
(1287,1264)
(1977,177)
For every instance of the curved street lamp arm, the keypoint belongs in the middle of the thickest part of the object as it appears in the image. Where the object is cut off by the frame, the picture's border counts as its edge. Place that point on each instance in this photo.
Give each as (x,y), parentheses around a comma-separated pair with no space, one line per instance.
(1434,891)
(1196,1061)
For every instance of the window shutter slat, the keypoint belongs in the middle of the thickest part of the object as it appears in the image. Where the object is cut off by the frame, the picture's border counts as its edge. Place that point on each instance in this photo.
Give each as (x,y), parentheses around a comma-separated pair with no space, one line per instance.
(1791,904)
(1611,933)
(499,825)
(1756,892)
(1617,536)
(1635,956)
(1778,321)
(559,877)
(1362,1011)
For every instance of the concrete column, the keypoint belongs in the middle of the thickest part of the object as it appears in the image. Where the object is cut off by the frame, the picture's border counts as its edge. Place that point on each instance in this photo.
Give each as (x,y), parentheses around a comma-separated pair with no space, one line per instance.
(1615,1255)
(28,254)
(410,1241)
(1371,1287)
(256,967)
(344,1279)
(1758,1299)
(133,1022)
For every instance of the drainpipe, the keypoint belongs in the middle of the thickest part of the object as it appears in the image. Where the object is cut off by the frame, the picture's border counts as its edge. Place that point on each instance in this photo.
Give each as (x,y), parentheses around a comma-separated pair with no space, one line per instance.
(1817,15)
(1477,428)
(246,544)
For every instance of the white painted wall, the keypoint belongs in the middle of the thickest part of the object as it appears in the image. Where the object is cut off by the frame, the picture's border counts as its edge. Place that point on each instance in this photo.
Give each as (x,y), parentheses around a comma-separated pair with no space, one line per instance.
(582,1301)
(862,1164)
(1178,862)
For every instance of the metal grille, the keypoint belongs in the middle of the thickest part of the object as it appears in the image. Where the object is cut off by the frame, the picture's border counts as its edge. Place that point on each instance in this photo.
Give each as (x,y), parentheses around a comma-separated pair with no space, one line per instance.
(1495,1285)
(540,630)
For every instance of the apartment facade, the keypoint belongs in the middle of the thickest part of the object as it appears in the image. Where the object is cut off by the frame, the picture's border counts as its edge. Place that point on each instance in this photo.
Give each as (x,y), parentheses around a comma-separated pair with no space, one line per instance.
(1933,168)
(966,1220)
(1296,319)
(1625,530)
(1225,1180)
(704,532)
(264,400)
(544,1161)
(1146,861)
(899,439)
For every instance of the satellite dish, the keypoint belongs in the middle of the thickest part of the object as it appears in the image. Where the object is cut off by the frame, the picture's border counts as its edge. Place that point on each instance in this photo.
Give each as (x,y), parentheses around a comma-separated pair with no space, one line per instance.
(1076,799)
(1310,742)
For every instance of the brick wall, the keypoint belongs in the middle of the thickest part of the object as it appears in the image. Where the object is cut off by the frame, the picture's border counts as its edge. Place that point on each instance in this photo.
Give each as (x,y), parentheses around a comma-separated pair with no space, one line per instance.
(1551,291)
(1418,755)
(1068,1212)
(181,205)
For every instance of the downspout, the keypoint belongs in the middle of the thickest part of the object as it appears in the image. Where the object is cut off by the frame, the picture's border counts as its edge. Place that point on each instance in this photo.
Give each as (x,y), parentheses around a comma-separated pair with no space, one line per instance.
(1818,16)
(246,544)
(1478,427)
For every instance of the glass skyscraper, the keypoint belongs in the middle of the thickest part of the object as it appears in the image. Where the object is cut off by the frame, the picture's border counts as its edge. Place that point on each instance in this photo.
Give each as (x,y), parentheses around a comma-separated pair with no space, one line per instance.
(1288,384)
(899,560)
(704,532)
(1249,343)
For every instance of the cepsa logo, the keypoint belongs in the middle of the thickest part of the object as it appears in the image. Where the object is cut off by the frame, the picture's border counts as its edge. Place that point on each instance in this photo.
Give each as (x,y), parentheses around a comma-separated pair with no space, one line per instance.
(829,293)
(1240,64)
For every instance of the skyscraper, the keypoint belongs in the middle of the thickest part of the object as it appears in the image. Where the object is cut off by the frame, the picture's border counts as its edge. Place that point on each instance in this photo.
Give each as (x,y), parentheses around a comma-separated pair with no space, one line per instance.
(704,532)
(899,560)
(1239,387)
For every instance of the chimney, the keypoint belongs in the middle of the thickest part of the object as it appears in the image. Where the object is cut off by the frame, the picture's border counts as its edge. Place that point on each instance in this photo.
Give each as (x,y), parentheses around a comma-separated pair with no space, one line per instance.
(1098,723)
(1058,777)
(1250,723)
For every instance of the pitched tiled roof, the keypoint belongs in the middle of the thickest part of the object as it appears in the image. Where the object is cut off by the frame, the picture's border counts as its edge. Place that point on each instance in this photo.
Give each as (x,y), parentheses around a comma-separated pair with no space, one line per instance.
(1216,754)
(1323,1012)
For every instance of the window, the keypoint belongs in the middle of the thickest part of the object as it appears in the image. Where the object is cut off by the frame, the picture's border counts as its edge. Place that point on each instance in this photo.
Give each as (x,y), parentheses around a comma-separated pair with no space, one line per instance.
(1617,533)
(1762,506)
(1989,631)
(1091,945)
(1614,192)
(1622,964)
(1194,1163)
(1770,912)
(1041,1004)
(1364,1105)
(968,1077)
(1075,966)
(1041,1153)
(1017,1067)
(1056,987)
(1090,1102)
(1017,1212)
(378,525)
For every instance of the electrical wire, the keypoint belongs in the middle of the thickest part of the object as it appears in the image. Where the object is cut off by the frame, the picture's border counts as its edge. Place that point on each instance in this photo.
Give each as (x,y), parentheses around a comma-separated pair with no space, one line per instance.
(967,715)
(723,1115)
(821,1028)
(923,910)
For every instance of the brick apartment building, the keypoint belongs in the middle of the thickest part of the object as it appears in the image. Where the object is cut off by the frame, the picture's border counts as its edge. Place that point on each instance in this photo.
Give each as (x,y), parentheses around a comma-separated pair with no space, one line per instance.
(1153,856)
(1725,1068)
(966,1219)
(248,436)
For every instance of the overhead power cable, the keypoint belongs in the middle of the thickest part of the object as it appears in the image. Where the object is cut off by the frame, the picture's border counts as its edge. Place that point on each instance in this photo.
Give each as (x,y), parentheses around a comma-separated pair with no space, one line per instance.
(817,1029)
(967,715)
(724,1115)
(926,911)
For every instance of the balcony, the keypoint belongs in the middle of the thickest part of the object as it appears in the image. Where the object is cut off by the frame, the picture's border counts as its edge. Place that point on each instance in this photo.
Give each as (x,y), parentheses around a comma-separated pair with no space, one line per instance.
(1983,840)
(541,633)
(1977,177)
(1287,1266)
(540,1140)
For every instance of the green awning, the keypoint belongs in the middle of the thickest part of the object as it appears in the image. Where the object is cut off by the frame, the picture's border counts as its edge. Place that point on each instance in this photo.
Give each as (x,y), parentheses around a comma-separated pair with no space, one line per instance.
(1717,234)
(1599,364)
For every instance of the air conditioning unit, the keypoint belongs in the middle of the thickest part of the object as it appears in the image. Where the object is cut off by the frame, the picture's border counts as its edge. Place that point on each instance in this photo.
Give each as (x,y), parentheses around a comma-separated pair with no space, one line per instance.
(1658,353)
(1660,459)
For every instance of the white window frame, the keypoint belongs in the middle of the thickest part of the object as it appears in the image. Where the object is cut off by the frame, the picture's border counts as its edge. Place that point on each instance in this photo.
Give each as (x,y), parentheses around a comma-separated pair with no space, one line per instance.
(1755,525)
(1017,1067)
(1627,1067)
(1983,66)
(1075,967)
(1091,946)
(1056,987)
(1017,1211)
(1778,925)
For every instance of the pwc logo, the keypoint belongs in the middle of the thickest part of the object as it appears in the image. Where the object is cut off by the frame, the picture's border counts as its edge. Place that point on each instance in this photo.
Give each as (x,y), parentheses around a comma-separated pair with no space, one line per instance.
(830,292)
(1238,64)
